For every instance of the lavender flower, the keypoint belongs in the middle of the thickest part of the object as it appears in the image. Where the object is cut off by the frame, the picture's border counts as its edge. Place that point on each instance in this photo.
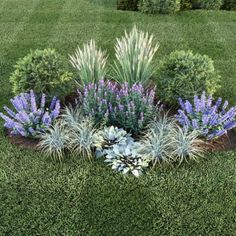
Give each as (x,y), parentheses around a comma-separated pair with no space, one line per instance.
(130,107)
(211,119)
(28,120)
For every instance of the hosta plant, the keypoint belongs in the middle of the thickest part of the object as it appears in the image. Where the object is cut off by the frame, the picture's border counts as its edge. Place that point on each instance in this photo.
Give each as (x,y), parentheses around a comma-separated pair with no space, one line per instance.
(211,118)
(111,136)
(134,55)
(54,142)
(90,63)
(120,105)
(30,115)
(125,158)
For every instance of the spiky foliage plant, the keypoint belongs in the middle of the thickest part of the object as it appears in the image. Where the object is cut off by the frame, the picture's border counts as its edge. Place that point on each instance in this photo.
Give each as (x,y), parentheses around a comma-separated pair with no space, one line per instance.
(90,63)
(187,145)
(134,55)
(211,118)
(165,141)
(84,138)
(71,116)
(54,141)
(31,115)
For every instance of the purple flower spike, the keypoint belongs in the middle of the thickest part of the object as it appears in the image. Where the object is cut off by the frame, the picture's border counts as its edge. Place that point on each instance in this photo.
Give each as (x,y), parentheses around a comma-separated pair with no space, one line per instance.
(206,116)
(27,120)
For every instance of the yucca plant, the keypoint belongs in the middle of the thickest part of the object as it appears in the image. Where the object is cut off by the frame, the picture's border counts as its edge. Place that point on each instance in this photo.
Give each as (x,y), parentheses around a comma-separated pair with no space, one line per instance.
(134,54)
(90,62)
(84,138)
(186,145)
(54,141)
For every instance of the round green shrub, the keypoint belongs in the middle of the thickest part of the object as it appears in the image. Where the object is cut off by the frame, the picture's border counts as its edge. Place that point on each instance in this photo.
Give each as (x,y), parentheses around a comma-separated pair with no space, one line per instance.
(43,71)
(130,5)
(207,4)
(229,5)
(185,4)
(159,6)
(184,74)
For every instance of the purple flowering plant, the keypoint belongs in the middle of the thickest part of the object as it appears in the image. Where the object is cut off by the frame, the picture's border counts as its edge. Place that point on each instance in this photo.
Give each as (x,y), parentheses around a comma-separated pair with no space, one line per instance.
(129,107)
(30,115)
(211,118)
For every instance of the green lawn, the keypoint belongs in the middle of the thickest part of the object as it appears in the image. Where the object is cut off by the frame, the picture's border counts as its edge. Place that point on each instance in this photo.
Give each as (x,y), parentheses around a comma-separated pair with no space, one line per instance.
(39,197)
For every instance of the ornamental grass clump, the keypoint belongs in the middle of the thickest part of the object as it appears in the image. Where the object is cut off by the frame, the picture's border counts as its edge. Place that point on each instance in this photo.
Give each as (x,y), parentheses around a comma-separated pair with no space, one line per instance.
(134,55)
(90,63)
(54,141)
(128,107)
(212,119)
(166,142)
(85,138)
(30,116)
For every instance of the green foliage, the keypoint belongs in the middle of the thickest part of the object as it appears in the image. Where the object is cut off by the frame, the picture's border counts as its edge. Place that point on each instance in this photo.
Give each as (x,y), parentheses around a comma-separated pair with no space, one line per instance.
(131,5)
(208,4)
(44,72)
(185,4)
(184,74)
(229,5)
(134,54)
(159,6)
(90,63)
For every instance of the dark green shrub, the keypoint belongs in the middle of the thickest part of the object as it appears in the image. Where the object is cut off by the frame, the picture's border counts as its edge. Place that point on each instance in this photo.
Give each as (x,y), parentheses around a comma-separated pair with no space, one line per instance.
(185,4)
(44,72)
(229,5)
(131,5)
(184,74)
(159,6)
(207,4)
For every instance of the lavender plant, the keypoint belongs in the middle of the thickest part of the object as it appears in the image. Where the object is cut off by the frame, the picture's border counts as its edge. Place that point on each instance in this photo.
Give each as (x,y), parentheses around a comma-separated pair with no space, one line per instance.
(120,105)
(212,119)
(31,116)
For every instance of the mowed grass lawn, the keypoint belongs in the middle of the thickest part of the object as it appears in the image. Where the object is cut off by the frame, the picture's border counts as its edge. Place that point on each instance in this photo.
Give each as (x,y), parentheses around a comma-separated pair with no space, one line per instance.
(39,197)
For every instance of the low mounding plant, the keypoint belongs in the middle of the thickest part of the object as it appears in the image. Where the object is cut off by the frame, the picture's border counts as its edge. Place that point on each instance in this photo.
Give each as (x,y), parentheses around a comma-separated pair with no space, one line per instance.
(43,71)
(166,142)
(208,4)
(128,107)
(130,5)
(159,6)
(134,54)
(229,5)
(184,74)
(210,118)
(84,138)
(187,145)
(125,158)
(54,142)
(90,63)
(30,116)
